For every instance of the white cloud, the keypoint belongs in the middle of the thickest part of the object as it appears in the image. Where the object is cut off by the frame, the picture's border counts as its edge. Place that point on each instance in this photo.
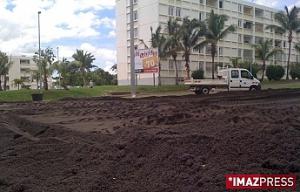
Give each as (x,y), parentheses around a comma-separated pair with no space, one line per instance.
(107,22)
(268,3)
(112,34)
(273,3)
(60,19)
(105,58)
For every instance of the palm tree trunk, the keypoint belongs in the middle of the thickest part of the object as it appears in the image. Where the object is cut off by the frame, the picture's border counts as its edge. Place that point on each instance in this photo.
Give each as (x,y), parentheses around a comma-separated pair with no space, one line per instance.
(159,76)
(176,70)
(83,77)
(263,71)
(1,83)
(187,66)
(289,56)
(213,54)
(37,83)
(5,82)
(45,81)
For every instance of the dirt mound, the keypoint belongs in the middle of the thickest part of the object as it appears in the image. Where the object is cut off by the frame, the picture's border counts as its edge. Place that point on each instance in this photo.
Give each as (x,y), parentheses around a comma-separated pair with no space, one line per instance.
(152,144)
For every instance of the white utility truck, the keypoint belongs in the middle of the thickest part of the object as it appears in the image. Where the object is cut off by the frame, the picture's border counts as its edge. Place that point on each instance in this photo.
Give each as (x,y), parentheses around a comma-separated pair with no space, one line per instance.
(232,79)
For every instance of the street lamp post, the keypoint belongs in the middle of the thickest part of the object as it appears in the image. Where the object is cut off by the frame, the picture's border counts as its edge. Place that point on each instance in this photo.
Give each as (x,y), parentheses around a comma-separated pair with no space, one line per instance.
(132,51)
(39,36)
(59,77)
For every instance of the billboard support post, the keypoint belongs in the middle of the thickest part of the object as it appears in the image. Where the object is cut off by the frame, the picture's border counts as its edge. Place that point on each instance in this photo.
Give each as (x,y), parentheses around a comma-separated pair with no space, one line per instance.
(132,53)
(154,79)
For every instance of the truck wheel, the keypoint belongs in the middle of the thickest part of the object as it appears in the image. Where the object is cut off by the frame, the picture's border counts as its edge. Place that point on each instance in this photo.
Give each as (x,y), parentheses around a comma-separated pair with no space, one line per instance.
(198,92)
(254,88)
(205,91)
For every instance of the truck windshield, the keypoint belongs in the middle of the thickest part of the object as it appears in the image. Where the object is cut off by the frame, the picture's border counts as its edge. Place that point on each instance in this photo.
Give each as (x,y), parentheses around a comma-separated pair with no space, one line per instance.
(246,74)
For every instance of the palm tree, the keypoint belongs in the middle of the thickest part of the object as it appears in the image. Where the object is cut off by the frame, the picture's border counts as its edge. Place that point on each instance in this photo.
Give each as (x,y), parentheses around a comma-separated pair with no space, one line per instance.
(85,62)
(44,64)
(36,75)
(288,23)
(5,73)
(173,44)
(191,32)
(63,69)
(235,61)
(18,82)
(264,51)
(158,40)
(215,32)
(5,65)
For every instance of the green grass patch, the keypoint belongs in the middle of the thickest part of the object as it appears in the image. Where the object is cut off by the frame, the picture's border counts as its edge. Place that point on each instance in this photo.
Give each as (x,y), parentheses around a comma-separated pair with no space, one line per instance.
(25,95)
(281,85)
(52,95)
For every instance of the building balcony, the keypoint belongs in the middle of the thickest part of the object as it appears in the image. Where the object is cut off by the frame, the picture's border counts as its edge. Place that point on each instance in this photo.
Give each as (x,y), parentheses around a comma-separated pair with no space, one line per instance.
(212,3)
(248,39)
(248,11)
(248,17)
(248,25)
(278,44)
(259,13)
(259,27)
(258,40)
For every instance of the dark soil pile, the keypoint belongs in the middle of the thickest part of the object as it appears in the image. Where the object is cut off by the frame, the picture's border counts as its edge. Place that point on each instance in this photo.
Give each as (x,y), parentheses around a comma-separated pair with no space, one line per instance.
(169,144)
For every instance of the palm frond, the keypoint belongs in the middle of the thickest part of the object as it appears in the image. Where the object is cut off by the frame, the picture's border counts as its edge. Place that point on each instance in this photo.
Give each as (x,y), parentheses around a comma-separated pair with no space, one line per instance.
(274,52)
(225,32)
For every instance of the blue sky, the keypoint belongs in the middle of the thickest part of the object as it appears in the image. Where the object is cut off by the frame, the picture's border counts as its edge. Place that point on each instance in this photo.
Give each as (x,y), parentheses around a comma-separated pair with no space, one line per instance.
(69,25)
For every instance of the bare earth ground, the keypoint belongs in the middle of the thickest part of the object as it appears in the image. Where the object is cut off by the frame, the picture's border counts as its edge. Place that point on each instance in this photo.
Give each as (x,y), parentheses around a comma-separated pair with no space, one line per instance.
(168,144)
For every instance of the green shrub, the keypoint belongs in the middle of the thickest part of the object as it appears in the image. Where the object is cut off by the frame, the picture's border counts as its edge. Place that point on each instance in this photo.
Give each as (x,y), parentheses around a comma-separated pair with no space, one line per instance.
(199,74)
(295,71)
(275,72)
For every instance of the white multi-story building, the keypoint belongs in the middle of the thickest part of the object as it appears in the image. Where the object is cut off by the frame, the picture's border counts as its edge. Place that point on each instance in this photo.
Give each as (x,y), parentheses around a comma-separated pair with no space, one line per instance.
(22,67)
(250,19)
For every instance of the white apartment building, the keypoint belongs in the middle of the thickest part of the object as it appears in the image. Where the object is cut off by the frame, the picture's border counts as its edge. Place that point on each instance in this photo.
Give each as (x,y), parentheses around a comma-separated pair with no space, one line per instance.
(250,20)
(22,68)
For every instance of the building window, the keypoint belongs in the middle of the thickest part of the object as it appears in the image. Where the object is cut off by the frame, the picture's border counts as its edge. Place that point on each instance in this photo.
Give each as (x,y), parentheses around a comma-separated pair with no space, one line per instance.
(221,4)
(240,8)
(200,16)
(135,15)
(201,65)
(136,32)
(220,51)
(240,25)
(240,38)
(25,62)
(201,1)
(178,12)
(239,53)
(171,10)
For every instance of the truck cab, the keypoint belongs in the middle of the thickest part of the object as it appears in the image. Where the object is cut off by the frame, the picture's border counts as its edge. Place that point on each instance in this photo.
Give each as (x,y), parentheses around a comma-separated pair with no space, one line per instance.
(240,79)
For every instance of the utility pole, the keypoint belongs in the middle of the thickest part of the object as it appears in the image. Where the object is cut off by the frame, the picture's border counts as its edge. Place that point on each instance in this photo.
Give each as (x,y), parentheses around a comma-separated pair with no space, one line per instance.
(132,51)
(39,36)
(39,33)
